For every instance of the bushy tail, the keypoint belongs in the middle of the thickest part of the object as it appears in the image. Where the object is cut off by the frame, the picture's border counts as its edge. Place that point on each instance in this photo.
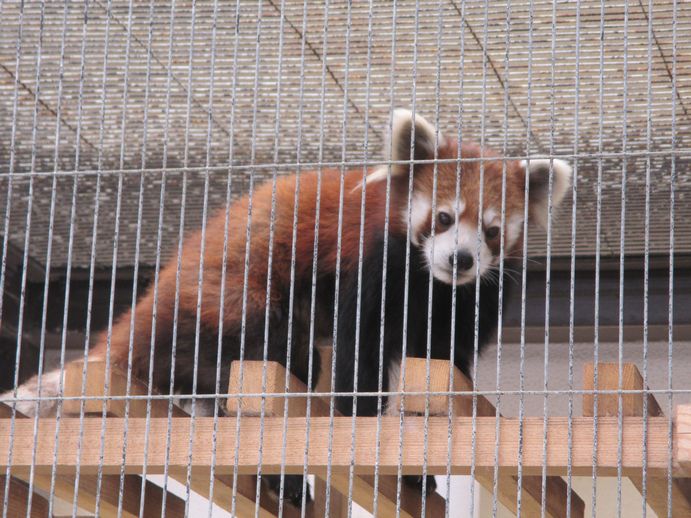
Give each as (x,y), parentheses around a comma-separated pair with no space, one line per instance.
(29,401)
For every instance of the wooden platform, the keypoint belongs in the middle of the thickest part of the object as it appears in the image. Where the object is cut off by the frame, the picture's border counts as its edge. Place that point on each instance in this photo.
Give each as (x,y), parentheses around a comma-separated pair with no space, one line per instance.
(340,450)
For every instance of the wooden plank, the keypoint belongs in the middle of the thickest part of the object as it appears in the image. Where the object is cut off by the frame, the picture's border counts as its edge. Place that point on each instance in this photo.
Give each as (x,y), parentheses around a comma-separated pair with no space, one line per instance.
(386,486)
(632,406)
(608,379)
(117,381)
(338,504)
(438,379)
(682,437)
(362,490)
(110,497)
(325,434)
(18,500)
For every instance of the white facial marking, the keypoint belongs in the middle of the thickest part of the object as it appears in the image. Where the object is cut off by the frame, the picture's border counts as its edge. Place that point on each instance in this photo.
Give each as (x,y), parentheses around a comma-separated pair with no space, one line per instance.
(446,244)
(513,225)
(419,211)
(514,229)
(489,216)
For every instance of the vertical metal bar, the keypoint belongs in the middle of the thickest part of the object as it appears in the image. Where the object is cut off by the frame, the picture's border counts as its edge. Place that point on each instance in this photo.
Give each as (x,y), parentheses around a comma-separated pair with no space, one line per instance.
(572,275)
(92,263)
(385,258)
(224,265)
(344,147)
(670,288)
(598,248)
(622,251)
(5,242)
(646,259)
(363,196)
(320,156)
(70,244)
(406,290)
(476,322)
(293,255)
(502,244)
(430,277)
(231,150)
(202,246)
(524,258)
(159,239)
(51,228)
(454,272)
(181,233)
(116,240)
(135,275)
(548,265)
(250,194)
(272,230)
(27,230)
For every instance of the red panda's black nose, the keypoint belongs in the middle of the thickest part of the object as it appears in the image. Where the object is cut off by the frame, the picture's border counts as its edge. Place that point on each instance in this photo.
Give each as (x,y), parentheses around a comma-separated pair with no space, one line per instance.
(464,261)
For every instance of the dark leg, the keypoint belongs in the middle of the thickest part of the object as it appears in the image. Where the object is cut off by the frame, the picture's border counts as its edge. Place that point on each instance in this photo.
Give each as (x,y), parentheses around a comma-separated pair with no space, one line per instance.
(292,488)
(292,484)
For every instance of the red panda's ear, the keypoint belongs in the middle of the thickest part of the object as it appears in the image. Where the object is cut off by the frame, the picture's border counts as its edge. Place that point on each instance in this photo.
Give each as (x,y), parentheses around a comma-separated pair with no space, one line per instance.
(407,131)
(538,171)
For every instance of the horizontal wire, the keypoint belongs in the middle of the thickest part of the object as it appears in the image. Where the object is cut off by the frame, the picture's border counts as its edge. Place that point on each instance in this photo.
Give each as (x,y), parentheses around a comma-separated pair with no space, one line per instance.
(677,152)
(315,394)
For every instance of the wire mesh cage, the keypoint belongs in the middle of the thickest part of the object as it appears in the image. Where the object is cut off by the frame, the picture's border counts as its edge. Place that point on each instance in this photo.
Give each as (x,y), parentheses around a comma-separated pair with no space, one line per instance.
(283,258)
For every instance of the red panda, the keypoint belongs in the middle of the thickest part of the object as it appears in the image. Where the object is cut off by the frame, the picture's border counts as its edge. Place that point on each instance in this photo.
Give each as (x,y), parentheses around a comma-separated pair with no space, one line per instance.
(438,243)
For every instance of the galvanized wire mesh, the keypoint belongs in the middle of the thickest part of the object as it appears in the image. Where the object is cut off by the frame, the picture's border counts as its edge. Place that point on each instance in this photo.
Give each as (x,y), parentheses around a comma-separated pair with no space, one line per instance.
(126,125)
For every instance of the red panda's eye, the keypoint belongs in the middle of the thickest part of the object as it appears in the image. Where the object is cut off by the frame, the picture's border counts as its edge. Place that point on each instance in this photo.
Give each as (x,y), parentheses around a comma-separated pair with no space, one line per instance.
(444,219)
(492,232)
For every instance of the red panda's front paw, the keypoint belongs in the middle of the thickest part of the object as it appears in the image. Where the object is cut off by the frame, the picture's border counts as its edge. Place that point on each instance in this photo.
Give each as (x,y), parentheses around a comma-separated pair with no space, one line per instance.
(292,488)
(415,481)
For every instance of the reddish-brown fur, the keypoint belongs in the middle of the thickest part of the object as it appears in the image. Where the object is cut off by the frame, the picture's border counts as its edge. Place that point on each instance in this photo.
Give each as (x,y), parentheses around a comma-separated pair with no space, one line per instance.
(493,171)
(282,243)
(258,255)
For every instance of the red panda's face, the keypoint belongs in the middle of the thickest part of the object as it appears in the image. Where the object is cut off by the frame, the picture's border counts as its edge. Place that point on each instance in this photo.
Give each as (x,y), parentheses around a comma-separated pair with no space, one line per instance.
(466,233)
(459,223)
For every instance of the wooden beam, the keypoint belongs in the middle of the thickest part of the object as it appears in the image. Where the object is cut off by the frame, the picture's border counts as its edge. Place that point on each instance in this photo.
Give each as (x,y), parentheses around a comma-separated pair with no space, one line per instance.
(682,437)
(338,504)
(439,380)
(367,429)
(18,500)
(362,490)
(608,379)
(118,386)
(97,377)
(632,406)
(109,498)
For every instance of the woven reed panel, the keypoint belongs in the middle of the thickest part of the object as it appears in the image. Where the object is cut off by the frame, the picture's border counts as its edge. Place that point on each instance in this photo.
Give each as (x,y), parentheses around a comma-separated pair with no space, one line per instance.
(604,88)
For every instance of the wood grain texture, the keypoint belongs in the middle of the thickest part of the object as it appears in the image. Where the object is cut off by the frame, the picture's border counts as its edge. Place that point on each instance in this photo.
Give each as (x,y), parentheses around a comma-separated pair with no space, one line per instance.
(655,489)
(117,381)
(366,431)
(96,378)
(422,375)
(682,437)
(338,504)
(109,499)
(102,381)
(18,500)
(608,379)
(274,378)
